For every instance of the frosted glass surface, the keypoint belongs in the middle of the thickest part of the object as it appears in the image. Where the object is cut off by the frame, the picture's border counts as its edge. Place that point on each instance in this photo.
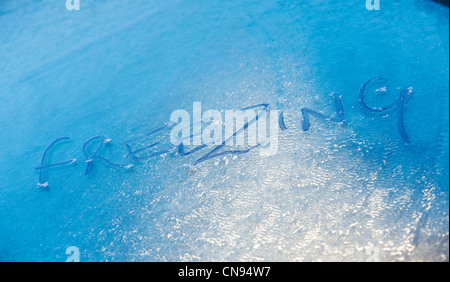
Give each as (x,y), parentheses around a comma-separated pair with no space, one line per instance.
(120,68)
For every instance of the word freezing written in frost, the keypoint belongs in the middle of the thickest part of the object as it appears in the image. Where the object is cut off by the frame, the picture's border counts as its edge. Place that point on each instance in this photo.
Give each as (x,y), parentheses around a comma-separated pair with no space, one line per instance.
(236,123)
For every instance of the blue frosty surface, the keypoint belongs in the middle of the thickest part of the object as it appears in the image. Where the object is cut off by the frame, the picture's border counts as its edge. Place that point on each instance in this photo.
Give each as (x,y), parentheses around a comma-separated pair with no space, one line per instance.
(119,68)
